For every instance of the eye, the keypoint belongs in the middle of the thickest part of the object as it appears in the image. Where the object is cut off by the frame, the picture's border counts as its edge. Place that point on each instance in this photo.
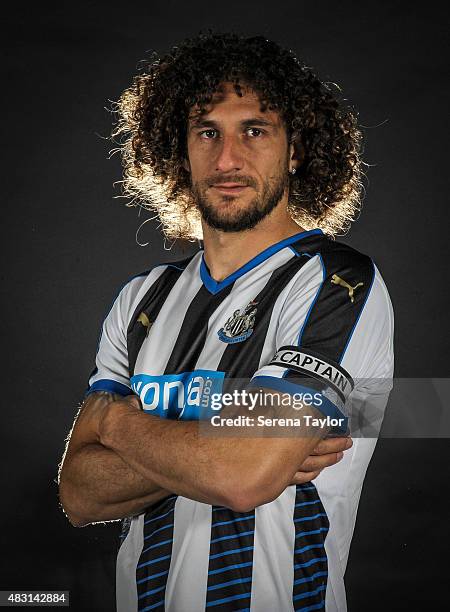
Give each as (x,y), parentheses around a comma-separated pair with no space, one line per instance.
(210,131)
(254,129)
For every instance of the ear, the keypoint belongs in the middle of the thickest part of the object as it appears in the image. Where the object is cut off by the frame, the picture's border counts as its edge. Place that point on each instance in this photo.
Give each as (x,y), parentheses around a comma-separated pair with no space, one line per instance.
(296,153)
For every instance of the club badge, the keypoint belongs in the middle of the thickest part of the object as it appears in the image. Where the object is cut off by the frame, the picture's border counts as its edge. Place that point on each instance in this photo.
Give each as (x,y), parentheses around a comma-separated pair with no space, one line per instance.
(240,325)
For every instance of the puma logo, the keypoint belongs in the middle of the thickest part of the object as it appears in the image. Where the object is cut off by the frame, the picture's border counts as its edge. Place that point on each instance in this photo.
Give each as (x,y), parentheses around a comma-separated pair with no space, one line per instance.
(145,321)
(337,280)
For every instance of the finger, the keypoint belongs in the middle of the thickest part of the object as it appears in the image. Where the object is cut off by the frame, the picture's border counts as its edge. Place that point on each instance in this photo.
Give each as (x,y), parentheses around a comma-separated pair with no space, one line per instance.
(332,445)
(318,462)
(128,401)
(134,400)
(302,477)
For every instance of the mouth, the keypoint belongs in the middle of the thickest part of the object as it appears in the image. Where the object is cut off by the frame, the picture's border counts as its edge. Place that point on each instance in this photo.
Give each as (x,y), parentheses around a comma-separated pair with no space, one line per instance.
(230,188)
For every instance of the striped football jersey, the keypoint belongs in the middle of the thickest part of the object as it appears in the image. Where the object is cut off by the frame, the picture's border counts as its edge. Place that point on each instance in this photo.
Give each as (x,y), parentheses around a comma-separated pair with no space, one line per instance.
(306,306)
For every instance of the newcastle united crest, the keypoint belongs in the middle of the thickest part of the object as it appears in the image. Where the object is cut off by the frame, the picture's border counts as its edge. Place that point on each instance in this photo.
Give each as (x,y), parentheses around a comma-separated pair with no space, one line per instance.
(239,326)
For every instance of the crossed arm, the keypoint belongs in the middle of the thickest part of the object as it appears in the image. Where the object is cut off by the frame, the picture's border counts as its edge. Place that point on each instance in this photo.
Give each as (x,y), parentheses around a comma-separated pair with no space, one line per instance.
(120,460)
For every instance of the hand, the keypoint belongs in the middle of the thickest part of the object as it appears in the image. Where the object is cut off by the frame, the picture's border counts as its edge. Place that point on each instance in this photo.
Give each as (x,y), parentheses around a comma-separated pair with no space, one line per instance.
(99,409)
(326,453)
(114,409)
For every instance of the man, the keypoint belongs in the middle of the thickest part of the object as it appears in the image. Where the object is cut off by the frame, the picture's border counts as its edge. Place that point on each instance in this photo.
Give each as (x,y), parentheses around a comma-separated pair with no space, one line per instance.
(232,140)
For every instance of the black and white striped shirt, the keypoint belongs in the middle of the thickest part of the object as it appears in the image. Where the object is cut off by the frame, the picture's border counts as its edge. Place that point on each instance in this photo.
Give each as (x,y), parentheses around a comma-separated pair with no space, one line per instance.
(307,305)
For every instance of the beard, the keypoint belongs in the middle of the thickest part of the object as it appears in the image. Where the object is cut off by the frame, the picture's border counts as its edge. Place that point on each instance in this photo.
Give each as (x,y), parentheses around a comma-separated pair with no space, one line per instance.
(218,215)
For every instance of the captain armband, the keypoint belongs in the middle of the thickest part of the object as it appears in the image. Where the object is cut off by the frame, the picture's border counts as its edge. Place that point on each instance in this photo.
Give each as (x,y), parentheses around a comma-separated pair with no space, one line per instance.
(307,371)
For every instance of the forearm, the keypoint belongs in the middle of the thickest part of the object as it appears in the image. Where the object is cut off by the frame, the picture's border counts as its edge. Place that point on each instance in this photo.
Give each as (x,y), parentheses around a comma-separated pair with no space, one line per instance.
(158,457)
(213,470)
(96,484)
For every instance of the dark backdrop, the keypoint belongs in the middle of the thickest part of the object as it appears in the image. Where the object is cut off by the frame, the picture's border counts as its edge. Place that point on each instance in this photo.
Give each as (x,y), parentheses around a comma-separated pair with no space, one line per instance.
(69,245)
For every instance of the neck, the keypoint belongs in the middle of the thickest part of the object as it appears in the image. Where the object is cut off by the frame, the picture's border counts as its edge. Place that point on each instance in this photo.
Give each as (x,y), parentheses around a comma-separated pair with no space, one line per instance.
(225,252)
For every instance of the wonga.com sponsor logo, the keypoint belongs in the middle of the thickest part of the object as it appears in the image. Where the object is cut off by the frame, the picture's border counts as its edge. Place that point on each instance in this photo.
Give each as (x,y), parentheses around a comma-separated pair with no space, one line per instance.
(178,396)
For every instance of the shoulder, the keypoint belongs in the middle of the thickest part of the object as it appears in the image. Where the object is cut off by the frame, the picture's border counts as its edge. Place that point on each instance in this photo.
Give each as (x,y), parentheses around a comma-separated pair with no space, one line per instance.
(350,265)
(337,271)
(347,296)
(132,290)
(335,262)
(347,268)
(147,277)
(347,263)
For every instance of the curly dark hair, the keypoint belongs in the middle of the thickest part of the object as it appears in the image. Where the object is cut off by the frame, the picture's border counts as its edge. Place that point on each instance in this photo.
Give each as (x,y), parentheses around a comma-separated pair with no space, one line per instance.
(153,119)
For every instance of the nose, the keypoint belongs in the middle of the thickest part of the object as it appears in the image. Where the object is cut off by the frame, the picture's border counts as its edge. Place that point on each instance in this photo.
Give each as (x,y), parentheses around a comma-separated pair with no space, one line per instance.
(229,154)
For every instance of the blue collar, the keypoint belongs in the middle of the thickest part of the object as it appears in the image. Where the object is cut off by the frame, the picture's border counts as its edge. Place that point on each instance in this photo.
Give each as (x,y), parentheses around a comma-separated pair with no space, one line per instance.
(214,286)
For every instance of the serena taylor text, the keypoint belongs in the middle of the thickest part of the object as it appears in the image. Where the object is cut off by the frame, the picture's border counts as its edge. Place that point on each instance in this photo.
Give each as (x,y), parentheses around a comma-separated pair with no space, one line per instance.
(305,420)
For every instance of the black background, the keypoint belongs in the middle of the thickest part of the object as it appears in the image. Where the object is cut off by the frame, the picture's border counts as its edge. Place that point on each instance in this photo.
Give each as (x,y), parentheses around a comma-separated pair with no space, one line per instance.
(69,245)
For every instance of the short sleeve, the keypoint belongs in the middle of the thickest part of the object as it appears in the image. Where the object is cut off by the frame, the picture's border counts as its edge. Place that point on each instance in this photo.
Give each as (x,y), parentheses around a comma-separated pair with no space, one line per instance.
(334,334)
(111,372)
